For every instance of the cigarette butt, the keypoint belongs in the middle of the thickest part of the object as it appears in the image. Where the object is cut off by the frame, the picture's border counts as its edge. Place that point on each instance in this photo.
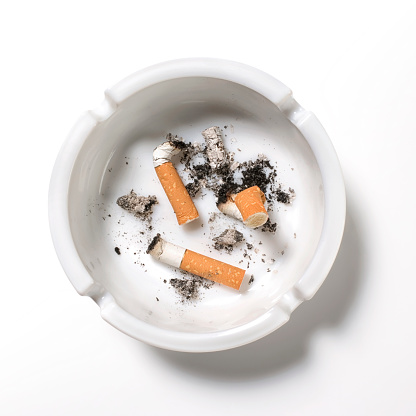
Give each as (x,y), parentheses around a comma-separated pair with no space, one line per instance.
(196,263)
(177,194)
(172,184)
(250,203)
(248,206)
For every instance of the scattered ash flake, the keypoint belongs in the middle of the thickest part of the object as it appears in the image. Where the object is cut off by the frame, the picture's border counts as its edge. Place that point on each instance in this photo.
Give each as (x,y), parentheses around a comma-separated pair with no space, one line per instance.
(189,288)
(214,216)
(193,188)
(175,141)
(269,227)
(228,239)
(210,166)
(140,206)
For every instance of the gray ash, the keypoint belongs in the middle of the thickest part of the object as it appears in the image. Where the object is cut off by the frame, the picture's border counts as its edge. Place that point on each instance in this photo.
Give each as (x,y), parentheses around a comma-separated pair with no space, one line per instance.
(255,174)
(190,287)
(193,188)
(215,151)
(190,152)
(269,227)
(140,206)
(225,190)
(176,141)
(213,217)
(202,171)
(153,243)
(225,181)
(261,173)
(281,196)
(228,239)
(230,177)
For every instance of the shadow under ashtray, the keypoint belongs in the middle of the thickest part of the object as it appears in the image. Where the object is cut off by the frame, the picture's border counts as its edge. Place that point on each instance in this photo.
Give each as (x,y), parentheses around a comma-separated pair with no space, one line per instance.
(288,345)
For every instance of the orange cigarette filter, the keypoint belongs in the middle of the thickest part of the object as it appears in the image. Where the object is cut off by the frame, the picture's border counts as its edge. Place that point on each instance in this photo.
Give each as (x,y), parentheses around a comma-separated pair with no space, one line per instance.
(250,203)
(196,263)
(176,192)
(212,269)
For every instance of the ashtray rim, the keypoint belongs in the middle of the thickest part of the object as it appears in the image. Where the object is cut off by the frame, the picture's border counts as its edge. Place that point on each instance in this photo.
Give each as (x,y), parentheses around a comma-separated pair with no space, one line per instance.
(334,205)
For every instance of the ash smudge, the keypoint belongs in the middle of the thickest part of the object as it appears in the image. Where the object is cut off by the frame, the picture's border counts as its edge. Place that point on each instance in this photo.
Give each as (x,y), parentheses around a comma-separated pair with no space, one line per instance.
(226,176)
(269,227)
(175,141)
(228,239)
(194,187)
(189,288)
(140,206)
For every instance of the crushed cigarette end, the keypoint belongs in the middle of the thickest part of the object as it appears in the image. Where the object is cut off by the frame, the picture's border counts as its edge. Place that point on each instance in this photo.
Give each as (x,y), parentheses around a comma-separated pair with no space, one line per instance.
(140,206)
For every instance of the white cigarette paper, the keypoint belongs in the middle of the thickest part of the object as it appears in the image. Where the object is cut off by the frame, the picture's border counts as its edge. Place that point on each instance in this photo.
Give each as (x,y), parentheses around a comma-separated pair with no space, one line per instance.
(230,208)
(198,264)
(166,252)
(164,153)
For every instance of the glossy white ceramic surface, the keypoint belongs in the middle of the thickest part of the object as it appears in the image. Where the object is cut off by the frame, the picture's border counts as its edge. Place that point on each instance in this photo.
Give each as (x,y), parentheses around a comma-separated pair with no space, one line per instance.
(109,152)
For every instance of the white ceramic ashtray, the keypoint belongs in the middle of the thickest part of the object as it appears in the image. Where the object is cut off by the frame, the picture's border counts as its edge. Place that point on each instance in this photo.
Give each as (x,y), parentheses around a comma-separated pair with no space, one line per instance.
(109,152)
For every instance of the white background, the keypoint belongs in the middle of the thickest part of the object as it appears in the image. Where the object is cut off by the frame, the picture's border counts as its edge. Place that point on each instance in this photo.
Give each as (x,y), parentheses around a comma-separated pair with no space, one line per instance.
(348,351)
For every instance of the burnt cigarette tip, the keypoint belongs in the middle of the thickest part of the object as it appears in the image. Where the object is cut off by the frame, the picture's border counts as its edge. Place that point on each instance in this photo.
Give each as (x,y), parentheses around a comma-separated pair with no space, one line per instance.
(153,243)
(176,142)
